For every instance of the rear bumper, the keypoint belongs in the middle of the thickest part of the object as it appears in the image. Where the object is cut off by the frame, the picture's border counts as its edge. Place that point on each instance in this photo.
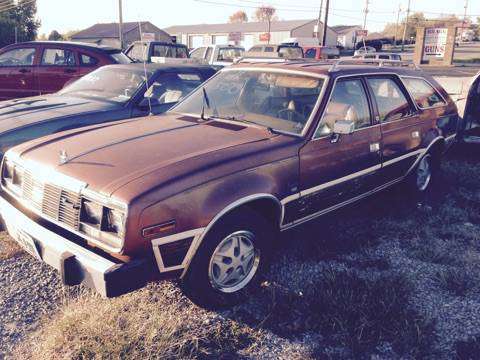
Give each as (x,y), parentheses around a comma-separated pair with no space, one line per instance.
(76,264)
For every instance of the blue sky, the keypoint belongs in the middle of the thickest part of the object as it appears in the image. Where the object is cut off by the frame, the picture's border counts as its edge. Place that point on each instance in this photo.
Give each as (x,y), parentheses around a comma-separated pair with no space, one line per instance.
(64,15)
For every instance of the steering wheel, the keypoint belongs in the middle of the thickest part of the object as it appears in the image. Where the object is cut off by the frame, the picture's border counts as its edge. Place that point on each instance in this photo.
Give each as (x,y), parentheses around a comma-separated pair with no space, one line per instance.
(290,115)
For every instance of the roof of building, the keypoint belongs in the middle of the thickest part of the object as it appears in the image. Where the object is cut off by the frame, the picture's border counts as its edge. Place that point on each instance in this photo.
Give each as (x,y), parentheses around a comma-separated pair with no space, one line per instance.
(109,30)
(286,25)
(343,29)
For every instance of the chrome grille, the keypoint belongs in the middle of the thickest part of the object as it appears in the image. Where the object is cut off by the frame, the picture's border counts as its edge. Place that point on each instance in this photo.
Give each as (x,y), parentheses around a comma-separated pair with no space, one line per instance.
(52,201)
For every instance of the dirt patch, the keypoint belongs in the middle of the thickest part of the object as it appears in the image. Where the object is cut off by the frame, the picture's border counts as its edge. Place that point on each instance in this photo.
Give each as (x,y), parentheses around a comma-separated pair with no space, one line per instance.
(8,248)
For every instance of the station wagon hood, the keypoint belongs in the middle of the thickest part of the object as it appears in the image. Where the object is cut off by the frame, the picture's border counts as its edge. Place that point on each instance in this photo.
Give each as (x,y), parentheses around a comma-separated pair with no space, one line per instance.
(24,112)
(109,156)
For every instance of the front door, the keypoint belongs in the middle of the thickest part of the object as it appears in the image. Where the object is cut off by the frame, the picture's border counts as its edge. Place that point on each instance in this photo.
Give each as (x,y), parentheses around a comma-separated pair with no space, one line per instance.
(338,168)
(17,73)
(471,121)
(402,126)
(57,67)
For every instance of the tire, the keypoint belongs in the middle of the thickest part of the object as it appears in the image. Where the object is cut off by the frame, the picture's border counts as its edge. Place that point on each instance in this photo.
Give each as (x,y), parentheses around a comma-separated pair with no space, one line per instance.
(218,281)
(424,177)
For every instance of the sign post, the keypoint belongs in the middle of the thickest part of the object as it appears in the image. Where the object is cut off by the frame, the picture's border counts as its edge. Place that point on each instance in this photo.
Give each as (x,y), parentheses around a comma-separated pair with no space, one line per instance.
(435,46)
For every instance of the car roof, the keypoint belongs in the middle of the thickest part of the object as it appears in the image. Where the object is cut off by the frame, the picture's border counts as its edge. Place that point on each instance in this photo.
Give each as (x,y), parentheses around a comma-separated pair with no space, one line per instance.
(89,46)
(330,68)
(161,67)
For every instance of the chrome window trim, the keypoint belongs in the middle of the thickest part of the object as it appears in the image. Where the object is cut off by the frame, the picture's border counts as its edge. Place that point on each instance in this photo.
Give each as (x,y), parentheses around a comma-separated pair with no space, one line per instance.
(353,76)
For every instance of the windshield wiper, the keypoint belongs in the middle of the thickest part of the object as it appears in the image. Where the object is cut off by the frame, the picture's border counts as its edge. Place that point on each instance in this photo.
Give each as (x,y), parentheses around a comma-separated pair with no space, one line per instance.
(233,118)
(205,101)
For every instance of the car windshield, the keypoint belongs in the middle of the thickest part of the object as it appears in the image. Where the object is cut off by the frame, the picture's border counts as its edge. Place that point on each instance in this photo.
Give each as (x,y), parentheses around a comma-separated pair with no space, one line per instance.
(275,100)
(230,53)
(108,84)
(120,58)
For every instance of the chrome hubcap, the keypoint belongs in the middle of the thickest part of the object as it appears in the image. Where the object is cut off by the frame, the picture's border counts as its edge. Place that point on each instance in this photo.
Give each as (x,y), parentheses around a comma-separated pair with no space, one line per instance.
(424,173)
(234,262)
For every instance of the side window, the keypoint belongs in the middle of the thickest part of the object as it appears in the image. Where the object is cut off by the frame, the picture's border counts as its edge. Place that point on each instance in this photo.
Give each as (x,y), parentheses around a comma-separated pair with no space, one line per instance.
(198,53)
(424,94)
(310,53)
(87,60)
(348,102)
(17,57)
(58,57)
(391,101)
(268,49)
(384,57)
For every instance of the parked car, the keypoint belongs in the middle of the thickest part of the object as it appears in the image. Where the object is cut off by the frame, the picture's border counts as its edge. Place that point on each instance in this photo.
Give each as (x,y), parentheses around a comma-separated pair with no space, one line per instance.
(44,67)
(376,44)
(364,50)
(218,55)
(201,192)
(378,56)
(275,51)
(321,52)
(113,92)
(471,115)
(147,51)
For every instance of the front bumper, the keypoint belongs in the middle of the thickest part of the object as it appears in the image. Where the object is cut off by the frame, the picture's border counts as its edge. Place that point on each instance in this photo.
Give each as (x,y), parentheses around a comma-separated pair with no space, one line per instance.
(76,264)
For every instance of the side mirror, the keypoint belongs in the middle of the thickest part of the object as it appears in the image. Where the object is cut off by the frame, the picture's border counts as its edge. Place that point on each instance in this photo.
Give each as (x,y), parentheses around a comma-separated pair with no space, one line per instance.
(344,127)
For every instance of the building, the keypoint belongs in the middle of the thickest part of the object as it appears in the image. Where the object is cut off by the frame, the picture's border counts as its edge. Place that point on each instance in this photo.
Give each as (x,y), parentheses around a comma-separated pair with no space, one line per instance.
(107,34)
(346,35)
(246,34)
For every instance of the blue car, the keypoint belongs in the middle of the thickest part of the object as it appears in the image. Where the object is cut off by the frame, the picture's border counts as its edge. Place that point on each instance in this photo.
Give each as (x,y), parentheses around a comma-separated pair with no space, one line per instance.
(110,93)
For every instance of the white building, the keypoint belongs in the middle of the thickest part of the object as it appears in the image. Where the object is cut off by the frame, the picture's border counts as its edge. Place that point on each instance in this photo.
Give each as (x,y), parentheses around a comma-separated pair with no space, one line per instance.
(246,34)
(346,35)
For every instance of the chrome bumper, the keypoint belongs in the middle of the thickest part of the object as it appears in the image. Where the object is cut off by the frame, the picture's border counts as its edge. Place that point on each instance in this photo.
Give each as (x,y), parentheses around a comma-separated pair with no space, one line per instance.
(76,264)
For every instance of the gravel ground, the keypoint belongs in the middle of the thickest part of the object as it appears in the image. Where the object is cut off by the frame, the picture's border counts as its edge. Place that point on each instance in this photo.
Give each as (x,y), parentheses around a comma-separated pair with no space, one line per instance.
(382,236)
(30,291)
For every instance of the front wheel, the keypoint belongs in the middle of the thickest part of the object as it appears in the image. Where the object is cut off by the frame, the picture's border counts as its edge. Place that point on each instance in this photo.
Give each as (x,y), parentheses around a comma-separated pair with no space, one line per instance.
(230,261)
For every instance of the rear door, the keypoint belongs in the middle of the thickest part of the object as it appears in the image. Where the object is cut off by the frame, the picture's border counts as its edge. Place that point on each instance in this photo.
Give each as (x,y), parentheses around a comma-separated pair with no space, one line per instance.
(57,67)
(337,168)
(402,126)
(18,72)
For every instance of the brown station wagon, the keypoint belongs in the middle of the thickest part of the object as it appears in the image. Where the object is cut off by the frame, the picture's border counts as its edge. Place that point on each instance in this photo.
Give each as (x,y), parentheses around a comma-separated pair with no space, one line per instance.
(201,193)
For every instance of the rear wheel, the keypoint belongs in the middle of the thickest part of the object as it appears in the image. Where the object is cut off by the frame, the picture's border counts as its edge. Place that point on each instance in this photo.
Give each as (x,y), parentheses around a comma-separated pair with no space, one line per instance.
(422,179)
(230,261)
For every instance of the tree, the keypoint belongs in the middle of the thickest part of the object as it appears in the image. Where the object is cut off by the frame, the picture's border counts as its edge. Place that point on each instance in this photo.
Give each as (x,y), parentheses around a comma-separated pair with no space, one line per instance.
(415,20)
(266,13)
(55,36)
(239,16)
(22,18)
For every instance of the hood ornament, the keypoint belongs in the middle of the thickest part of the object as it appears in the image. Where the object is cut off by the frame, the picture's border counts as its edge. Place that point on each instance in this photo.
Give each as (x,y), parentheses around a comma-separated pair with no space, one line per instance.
(63,157)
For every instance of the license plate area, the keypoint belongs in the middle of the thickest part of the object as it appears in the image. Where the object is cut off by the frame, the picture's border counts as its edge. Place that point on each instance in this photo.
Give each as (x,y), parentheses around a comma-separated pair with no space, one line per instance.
(27,243)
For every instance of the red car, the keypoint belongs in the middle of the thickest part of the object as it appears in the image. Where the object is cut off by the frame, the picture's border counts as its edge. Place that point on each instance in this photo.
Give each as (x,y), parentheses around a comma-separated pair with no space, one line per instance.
(43,67)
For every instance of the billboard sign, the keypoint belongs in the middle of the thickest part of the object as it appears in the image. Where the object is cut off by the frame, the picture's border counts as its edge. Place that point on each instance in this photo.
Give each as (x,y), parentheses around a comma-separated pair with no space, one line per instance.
(235,37)
(264,37)
(148,36)
(435,43)
(363,33)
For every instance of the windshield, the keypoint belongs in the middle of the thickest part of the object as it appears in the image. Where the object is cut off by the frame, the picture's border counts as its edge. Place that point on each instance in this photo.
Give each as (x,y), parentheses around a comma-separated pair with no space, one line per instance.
(120,58)
(229,54)
(274,100)
(108,83)
(170,51)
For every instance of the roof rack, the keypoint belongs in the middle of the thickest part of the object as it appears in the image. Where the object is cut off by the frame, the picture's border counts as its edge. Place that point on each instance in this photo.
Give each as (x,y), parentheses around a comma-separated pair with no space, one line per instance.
(374,62)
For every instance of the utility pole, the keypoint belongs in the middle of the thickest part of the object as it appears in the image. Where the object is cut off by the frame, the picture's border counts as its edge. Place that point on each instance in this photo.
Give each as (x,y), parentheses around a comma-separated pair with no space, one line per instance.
(319,21)
(464,23)
(325,22)
(396,25)
(406,26)
(367,2)
(120,23)
(16,34)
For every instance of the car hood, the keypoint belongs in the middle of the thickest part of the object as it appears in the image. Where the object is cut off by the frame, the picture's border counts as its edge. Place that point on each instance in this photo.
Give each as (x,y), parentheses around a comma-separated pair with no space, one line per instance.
(23,112)
(107,157)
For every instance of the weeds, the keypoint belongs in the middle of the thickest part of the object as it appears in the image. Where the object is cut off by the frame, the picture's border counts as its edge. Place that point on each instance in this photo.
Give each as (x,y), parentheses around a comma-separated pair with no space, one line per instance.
(456,281)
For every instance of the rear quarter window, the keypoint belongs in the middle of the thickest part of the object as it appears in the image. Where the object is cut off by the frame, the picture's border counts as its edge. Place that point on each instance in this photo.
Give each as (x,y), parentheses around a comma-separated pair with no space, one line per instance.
(424,94)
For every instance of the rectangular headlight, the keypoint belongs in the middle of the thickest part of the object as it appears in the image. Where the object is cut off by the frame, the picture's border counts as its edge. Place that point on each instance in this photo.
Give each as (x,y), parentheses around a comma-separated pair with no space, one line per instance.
(113,221)
(101,222)
(91,213)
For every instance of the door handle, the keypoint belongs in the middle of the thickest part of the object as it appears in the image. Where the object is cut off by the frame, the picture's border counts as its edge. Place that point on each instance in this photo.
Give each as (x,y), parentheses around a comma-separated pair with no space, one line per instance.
(416,135)
(70,71)
(24,71)
(374,147)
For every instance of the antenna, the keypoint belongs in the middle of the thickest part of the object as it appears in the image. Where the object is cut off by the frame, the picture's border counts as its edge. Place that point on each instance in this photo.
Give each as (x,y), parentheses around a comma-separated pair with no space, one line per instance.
(145,68)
